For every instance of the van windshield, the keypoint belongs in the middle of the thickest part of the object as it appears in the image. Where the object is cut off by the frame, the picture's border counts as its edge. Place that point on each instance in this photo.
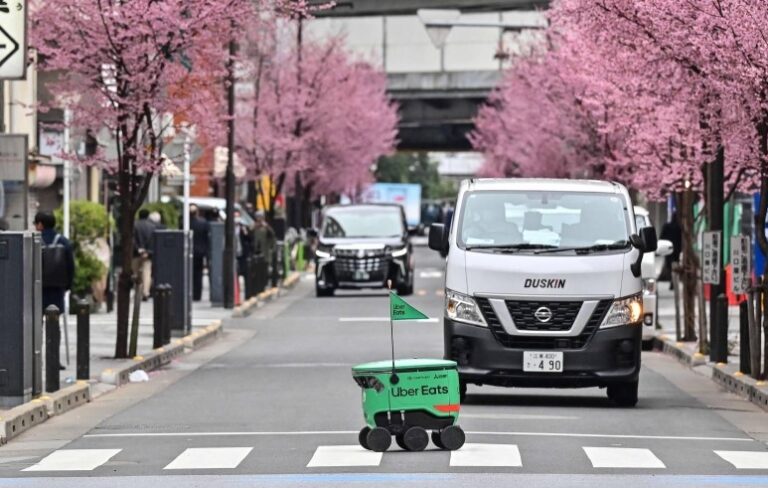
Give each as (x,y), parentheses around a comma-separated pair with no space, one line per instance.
(542,220)
(369,221)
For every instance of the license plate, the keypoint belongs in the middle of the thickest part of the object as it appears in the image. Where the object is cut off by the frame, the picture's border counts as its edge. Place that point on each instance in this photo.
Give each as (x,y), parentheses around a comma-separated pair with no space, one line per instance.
(543,362)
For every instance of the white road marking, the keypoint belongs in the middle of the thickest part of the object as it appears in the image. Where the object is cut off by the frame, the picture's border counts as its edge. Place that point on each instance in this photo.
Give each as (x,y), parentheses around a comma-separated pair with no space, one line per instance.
(488,455)
(431,274)
(210,458)
(74,460)
(342,456)
(510,416)
(380,319)
(355,432)
(622,457)
(745,459)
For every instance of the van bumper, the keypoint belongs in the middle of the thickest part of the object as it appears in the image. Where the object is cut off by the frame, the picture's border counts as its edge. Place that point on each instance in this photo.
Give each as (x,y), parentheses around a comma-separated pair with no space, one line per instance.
(611,356)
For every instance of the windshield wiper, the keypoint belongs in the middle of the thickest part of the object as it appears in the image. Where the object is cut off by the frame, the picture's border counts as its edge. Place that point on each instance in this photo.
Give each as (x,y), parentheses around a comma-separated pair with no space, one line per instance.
(512,247)
(588,249)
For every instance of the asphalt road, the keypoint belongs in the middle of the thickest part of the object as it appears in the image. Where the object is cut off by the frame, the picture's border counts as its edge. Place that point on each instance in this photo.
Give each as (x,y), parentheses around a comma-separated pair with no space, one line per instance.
(273,404)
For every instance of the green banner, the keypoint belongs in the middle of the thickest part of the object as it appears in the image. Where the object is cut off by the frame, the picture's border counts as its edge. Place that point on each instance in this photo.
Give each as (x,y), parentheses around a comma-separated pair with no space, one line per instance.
(399,309)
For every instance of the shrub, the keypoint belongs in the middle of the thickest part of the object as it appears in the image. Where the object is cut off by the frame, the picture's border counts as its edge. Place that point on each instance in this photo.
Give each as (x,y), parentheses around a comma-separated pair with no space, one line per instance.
(88,222)
(168,212)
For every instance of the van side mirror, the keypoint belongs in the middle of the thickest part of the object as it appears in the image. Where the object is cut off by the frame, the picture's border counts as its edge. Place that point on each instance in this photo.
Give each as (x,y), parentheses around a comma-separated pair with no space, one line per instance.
(438,241)
(650,241)
(645,242)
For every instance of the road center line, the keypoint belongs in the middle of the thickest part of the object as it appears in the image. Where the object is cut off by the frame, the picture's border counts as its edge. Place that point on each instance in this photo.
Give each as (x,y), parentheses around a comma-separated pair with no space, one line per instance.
(477,433)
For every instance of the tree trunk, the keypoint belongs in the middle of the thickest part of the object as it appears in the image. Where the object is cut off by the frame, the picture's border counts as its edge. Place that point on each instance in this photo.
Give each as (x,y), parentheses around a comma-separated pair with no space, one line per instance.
(124,280)
(689,273)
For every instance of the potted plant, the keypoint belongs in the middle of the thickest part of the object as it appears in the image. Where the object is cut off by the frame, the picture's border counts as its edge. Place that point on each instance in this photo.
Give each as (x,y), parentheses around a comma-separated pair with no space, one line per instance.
(89,226)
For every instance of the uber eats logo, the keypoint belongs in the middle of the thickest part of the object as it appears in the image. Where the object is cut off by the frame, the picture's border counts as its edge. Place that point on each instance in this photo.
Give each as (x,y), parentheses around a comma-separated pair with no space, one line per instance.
(424,391)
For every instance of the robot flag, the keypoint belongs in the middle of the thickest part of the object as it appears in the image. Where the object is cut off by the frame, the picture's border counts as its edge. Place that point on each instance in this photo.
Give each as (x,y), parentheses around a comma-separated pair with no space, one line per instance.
(399,309)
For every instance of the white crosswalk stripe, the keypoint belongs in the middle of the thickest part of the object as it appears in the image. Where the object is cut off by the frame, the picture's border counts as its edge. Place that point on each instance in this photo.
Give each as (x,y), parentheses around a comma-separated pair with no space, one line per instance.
(622,457)
(745,459)
(74,460)
(210,458)
(487,455)
(343,456)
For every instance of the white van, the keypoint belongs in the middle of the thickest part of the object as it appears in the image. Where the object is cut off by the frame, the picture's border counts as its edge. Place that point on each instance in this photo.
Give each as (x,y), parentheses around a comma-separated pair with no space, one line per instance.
(543,285)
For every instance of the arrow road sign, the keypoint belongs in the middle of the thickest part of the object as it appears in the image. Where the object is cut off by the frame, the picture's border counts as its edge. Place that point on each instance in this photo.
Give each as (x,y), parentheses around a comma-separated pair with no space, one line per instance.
(13,39)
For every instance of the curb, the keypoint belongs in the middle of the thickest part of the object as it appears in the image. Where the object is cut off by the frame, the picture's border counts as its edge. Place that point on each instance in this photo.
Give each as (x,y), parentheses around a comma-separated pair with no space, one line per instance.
(266,296)
(725,375)
(20,419)
(161,356)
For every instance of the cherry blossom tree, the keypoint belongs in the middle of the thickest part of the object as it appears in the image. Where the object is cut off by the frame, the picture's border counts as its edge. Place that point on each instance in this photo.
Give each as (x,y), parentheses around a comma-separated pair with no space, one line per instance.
(119,67)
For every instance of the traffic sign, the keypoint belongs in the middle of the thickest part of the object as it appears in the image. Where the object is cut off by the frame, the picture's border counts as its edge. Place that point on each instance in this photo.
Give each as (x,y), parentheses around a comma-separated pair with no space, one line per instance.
(13,39)
(711,257)
(741,260)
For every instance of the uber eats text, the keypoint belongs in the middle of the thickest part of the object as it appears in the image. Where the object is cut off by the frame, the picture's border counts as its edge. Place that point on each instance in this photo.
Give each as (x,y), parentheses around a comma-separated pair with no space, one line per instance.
(424,390)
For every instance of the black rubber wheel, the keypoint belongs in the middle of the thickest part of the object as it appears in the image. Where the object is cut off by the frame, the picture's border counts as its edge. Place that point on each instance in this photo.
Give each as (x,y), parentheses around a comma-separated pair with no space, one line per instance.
(405,290)
(462,391)
(362,437)
(624,394)
(324,292)
(415,439)
(436,439)
(452,437)
(379,439)
(400,442)
(647,345)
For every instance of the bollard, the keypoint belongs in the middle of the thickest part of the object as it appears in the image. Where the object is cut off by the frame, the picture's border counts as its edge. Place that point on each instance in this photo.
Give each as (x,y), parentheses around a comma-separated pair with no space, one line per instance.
(250,278)
(158,317)
(167,314)
(261,271)
(719,344)
(83,340)
(52,340)
(744,359)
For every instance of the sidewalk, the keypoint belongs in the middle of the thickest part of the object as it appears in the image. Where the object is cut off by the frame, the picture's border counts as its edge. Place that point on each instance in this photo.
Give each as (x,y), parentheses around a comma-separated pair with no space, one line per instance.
(727,375)
(107,373)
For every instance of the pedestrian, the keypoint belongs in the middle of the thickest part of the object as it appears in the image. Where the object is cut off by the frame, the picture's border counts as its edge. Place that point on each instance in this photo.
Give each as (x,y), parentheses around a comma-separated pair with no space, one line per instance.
(143,234)
(157,220)
(201,231)
(672,232)
(58,262)
(244,243)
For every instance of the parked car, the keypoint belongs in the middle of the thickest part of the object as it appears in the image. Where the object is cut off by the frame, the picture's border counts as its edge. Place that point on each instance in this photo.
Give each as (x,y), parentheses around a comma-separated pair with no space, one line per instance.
(650,270)
(363,246)
(543,285)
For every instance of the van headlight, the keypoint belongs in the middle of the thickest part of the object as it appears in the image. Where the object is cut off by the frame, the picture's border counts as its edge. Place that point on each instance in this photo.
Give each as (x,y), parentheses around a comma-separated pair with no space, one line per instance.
(624,311)
(462,308)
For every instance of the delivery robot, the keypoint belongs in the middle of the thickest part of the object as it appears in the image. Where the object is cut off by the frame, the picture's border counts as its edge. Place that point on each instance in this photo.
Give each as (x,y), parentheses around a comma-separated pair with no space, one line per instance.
(406,398)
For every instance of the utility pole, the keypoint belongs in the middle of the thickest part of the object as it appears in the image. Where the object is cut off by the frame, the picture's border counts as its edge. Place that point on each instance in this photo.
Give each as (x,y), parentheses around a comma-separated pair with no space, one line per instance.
(229,225)
(718,319)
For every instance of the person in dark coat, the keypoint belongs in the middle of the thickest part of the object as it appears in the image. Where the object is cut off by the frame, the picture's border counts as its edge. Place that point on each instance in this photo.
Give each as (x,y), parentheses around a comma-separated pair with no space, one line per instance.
(45,223)
(201,230)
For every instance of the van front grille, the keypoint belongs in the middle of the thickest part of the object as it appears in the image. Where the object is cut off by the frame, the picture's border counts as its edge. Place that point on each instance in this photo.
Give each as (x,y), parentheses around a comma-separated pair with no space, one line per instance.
(542,342)
(563,314)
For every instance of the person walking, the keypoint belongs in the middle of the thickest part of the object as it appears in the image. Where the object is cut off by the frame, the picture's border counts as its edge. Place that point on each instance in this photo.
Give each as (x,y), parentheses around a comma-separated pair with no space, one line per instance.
(143,234)
(58,261)
(201,233)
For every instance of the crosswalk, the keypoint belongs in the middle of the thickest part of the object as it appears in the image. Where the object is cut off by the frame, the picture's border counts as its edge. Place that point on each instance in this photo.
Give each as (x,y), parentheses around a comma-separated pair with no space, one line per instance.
(472,455)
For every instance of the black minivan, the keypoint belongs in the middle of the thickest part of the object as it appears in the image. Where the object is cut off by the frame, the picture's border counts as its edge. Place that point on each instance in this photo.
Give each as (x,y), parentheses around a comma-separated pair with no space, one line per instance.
(363,246)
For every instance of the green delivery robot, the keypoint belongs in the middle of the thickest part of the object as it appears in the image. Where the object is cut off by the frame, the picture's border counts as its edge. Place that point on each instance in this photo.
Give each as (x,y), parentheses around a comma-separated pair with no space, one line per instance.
(406,398)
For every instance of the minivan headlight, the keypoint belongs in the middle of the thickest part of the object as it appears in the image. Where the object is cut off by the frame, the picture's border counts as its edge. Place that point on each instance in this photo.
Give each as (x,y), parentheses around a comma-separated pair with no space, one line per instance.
(324,252)
(462,308)
(398,253)
(624,311)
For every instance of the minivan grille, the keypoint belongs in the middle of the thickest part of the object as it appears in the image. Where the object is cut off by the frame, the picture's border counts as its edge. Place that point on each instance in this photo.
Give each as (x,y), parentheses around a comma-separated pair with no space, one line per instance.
(524,314)
(542,342)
